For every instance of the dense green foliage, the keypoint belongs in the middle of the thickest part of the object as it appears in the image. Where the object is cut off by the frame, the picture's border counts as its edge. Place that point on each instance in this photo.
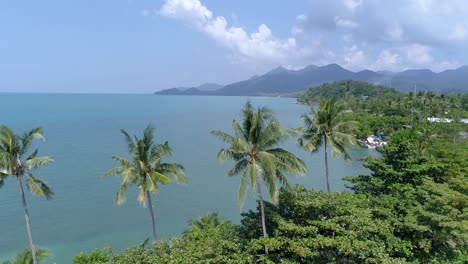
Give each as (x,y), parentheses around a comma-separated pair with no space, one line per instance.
(208,240)
(390,114)
(411,208)
(345,89)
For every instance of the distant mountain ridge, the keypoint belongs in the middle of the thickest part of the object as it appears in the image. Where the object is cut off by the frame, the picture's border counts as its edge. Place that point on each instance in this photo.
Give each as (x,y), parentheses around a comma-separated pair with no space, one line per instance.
(281,81)
(206,87)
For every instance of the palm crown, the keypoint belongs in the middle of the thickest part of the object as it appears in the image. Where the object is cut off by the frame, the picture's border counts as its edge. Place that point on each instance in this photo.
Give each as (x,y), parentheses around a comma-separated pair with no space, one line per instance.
(146,168)
(13,149)
(254,149)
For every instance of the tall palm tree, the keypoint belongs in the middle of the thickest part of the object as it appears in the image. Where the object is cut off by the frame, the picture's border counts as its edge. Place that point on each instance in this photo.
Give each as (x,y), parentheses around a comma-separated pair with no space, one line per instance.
(326,127)
(258,159)
(15,163)
(146,169)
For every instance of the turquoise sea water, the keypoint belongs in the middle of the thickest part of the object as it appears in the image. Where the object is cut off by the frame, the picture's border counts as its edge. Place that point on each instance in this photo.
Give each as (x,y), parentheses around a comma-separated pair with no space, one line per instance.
(82,133)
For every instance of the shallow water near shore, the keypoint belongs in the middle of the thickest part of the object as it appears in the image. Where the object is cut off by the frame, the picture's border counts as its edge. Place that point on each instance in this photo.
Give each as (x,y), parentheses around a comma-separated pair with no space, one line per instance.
(82,133)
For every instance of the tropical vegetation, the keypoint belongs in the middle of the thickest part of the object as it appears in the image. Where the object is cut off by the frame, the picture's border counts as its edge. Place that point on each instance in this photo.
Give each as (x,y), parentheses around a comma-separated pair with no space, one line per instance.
(410,208)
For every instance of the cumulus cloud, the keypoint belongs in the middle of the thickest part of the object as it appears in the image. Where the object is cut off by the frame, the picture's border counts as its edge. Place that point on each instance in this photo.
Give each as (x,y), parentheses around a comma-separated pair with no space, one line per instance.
(260,45)
(358,34)
(394,34)
(387,60)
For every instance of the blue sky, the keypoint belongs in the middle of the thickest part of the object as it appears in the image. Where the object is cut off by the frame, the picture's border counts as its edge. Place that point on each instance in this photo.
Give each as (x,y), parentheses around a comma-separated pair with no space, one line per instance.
(139,46)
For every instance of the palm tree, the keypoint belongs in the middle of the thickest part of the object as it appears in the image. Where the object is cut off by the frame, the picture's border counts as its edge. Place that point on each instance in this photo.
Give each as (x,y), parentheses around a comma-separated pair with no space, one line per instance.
(25,256)
(326,127)
(258,159)
(426,136)
(13,150)
(146,169)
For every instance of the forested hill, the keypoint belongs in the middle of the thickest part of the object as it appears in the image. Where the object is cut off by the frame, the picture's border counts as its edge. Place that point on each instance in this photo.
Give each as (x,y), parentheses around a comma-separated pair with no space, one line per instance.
(343,89)
(284,82)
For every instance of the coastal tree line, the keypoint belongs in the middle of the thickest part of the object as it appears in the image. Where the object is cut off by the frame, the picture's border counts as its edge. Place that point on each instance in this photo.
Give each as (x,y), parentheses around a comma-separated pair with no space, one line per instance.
(412,208)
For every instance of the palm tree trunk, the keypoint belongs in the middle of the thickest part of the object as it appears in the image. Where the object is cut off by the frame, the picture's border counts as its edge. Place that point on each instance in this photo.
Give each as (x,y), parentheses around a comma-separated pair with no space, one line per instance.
(326,165)
(28,223)
(150,207)
(262,213)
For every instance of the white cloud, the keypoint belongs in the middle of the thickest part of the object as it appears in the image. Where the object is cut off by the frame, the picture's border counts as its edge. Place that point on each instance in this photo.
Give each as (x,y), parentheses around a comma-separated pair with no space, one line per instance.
(189,10)
(260,45)
(352,4)
(392,35)
(413,36)
(445,65)
(418,54)
(387,61)
(345,23)
(298,29)
(354,58)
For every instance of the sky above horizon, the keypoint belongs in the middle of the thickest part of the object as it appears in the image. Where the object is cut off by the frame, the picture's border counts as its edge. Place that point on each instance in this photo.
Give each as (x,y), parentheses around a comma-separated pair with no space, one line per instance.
(140,46)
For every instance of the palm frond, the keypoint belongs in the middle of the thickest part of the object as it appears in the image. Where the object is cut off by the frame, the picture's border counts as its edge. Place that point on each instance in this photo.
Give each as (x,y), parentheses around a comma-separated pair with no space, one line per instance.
(39,187)
(338,149)
(25,256)
(267,161)
(27,138)
(256,173)
(230,154)
(33,155)
(270,181)
(148,137)
(131,144)
(223,136)
(160,150)
(271,135)
(312,142)
(244,183)
(142,197)
(125,163)
(35,163)
(113,172)
(288,162)
(238,130)
(153,180)
(174,170)
(158,177)
(239,167)
(343,139)
(120,196)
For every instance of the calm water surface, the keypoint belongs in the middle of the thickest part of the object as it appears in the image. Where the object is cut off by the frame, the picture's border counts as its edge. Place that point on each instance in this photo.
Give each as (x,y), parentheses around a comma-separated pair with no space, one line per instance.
(82,133)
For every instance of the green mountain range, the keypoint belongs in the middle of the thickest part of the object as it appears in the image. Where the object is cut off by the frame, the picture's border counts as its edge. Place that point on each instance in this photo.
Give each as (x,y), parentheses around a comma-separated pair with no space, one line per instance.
(284,82)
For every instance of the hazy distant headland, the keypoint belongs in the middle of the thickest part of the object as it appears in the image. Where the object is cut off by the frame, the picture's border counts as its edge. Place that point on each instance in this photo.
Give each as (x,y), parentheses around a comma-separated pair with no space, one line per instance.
(292,83)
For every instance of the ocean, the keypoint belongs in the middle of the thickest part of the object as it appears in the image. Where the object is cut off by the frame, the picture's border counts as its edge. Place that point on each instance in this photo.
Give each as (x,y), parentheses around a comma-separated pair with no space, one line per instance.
(82,134)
